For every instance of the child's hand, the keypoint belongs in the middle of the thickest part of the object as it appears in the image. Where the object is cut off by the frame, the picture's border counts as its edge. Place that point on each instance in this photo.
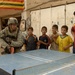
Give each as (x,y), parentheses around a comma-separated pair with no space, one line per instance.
(54,36)
(34,36)
(12,50)
(65,48)
(43,42)
(38,43)
(27,38)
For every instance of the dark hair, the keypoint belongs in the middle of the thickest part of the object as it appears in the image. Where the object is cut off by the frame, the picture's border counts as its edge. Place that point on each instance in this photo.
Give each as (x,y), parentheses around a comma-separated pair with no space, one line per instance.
(30,28)
(44,27)
(55,26)
(66,27)
(74,13)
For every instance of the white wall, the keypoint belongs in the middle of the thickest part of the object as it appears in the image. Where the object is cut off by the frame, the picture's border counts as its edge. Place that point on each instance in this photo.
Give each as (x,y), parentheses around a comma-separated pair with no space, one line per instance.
(35,21)
(55,15)
(39,19)
(58,16)
(46,19)
(69,16)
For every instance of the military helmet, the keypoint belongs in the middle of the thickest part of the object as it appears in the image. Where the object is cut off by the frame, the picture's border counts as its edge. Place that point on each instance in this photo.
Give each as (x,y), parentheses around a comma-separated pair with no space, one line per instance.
(12,20)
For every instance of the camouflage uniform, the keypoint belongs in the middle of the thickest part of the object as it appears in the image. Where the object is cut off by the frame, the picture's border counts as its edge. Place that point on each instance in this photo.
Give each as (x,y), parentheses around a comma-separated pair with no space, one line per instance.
(13,39)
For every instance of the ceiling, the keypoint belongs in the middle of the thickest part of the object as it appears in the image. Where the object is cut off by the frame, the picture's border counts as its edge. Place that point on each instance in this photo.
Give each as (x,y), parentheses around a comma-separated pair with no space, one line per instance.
(40,4)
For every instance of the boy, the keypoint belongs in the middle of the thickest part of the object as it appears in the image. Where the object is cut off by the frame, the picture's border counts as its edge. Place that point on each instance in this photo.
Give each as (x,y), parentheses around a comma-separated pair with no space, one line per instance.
(64,41)
(54,35)
(31,40)
(44,40)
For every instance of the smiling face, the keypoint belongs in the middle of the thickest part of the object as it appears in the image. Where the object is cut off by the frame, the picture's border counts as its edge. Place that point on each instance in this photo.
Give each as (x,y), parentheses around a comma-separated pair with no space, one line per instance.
(30,32)
(54,30)
(63,31)
(44,31)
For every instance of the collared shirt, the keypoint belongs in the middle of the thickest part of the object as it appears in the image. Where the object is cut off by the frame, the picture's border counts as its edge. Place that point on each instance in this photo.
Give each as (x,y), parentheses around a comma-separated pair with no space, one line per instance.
(63,42)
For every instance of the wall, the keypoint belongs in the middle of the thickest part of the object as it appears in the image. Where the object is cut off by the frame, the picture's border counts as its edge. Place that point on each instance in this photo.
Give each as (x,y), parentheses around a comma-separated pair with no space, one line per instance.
(55,15)
(33,5)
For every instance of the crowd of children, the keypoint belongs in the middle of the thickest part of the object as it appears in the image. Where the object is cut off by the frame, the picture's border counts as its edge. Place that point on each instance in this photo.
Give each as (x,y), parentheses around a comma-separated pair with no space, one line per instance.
(59,42)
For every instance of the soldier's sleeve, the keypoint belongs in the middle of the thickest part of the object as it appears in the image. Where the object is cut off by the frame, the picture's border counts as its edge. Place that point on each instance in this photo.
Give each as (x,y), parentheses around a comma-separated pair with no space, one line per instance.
(2,32)
(19,42)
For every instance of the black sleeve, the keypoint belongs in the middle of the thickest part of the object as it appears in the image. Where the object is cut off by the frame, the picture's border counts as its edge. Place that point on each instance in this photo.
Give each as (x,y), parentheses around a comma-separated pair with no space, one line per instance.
(36,39)
(40,38)
(25,41)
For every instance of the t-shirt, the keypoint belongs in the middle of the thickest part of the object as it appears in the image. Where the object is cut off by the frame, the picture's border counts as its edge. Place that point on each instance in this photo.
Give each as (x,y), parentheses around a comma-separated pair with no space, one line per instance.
(53,45)
(31,43)
(44,39)
(63,42)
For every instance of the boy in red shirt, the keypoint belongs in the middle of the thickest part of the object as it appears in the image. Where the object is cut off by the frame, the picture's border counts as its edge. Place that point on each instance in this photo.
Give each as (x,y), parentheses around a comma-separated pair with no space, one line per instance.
(73,33)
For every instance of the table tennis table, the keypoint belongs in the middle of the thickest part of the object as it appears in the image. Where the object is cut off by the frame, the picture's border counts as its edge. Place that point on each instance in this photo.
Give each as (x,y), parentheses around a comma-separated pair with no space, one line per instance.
(38,62)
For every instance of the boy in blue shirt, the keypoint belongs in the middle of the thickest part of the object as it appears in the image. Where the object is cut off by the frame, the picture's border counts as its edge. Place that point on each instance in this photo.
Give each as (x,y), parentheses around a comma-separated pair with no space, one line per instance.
(44,40)
(31,40)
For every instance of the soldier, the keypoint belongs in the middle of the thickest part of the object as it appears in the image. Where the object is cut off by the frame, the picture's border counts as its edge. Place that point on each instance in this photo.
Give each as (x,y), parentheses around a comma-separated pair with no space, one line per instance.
(11,37)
